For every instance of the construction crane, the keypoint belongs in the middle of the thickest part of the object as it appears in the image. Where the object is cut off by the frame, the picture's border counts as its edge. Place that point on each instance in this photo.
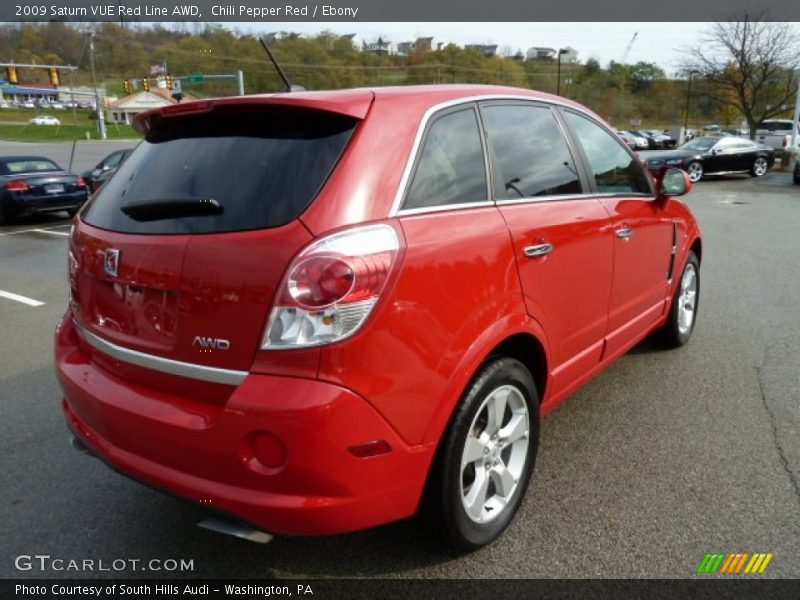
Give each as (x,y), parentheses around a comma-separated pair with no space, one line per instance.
(628,49)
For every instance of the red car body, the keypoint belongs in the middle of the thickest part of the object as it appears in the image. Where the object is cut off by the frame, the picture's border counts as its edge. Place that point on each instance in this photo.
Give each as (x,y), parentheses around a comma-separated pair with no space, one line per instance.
(339,437)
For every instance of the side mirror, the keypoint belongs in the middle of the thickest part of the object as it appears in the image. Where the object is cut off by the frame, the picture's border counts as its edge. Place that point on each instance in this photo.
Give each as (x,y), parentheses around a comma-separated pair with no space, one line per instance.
(96,173)
(673,182)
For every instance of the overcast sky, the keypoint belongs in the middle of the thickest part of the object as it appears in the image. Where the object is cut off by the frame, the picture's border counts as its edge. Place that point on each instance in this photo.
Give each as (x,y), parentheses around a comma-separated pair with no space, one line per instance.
(659,43)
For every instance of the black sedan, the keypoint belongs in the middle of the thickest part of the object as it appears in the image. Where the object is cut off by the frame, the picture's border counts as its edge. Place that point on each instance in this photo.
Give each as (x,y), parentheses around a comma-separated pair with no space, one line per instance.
(104,169)
(714,155)
(35,184)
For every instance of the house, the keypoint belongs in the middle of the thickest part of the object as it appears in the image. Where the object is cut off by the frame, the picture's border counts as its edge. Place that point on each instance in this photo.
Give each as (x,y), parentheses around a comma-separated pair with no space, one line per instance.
(485,49)
(420,45)
(123,110)
(381,47)
(537,52)
(356,41)
(568,54)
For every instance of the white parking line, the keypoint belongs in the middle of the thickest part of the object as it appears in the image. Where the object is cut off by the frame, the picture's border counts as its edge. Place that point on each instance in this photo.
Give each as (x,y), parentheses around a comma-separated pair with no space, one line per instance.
(51,232)
(39,230)
(18,298)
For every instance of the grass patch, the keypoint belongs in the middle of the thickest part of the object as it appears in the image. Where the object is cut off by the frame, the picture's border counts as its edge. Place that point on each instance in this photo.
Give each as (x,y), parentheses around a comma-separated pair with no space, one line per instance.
(65,132)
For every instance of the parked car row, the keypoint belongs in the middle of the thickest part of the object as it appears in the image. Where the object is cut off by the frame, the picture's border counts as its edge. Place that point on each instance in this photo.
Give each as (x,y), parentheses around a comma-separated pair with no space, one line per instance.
(46,104)
(646,139)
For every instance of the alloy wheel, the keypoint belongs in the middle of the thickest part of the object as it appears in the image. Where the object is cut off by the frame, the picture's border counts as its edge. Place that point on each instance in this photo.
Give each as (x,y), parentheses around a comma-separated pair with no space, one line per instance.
(687,299)
(495,454)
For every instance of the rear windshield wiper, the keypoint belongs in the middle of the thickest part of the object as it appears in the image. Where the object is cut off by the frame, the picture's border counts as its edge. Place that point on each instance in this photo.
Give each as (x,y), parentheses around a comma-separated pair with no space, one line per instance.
(154,209)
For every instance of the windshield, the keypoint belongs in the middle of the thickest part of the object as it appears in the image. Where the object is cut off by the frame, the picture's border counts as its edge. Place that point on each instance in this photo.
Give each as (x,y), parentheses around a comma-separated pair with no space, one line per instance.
(258,168)
(699,144)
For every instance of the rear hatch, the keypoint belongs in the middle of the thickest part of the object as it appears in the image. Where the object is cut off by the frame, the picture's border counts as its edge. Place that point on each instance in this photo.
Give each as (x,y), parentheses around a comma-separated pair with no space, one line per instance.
(179,254)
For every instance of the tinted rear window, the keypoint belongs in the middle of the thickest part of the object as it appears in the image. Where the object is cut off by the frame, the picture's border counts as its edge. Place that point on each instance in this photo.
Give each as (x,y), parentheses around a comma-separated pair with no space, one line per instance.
(263,166)
(28,165)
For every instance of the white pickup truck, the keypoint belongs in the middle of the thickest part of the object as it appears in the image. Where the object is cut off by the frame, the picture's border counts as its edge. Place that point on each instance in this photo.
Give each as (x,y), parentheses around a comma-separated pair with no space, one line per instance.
(777,133)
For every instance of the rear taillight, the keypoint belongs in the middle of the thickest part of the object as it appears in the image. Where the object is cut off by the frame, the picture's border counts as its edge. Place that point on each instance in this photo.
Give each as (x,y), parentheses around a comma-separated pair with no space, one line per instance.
(17,186)
(80,182)
(331,288)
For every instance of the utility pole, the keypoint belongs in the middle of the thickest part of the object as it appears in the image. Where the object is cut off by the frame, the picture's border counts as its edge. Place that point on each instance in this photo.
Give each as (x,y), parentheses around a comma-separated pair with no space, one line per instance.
(101,122)
(240,81)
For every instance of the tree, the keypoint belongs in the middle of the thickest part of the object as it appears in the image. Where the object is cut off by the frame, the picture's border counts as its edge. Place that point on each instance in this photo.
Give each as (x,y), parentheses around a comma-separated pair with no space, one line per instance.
(749,65)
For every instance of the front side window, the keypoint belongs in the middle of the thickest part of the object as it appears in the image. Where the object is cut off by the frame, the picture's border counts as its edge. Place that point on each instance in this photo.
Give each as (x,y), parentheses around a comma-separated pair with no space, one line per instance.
(613,168)
(531,153)
(450,168)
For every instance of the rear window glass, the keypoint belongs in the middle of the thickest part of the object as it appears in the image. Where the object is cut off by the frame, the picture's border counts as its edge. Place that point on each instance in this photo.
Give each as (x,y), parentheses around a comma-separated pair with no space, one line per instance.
(29,166)
(775,126)
(263,167)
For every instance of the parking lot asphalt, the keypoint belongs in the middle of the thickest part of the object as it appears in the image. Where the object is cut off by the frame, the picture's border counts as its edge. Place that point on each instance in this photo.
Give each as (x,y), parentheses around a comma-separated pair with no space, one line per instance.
(665,456)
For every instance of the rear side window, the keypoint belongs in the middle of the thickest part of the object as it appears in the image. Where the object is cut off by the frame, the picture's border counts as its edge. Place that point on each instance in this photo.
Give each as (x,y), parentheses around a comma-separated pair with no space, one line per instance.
(530,151)
(263,167)
(613,168)
(450,168)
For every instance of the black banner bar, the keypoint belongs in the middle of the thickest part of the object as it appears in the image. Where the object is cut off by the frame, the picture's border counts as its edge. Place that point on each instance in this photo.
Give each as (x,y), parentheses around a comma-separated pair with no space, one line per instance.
(329,11)
(416,589)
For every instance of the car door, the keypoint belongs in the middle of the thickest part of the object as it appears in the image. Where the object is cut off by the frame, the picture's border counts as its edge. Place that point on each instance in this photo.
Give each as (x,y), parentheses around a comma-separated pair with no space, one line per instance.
(561,234)
(643,234)
(725,156)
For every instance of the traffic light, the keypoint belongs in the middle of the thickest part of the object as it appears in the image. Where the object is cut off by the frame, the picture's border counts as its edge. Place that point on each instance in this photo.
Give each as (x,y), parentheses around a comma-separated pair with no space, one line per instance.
(146,84)
(126,85)
(54,80)
(169,82)
(11,75)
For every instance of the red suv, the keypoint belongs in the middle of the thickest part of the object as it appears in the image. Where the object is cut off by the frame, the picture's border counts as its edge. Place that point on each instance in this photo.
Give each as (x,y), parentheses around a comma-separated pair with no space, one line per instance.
(319,312)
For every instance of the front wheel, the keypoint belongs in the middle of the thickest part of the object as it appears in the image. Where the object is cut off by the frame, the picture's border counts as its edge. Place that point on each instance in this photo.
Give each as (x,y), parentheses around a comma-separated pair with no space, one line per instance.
(683,312)
(759,168)
(695,170)
(487,456)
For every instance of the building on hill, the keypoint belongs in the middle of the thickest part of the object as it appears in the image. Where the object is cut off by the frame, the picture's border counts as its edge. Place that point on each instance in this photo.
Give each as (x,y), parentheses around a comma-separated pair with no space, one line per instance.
(123,110)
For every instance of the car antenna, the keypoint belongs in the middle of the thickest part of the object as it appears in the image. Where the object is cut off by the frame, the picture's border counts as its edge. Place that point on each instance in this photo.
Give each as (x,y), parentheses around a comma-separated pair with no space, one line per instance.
(287,85)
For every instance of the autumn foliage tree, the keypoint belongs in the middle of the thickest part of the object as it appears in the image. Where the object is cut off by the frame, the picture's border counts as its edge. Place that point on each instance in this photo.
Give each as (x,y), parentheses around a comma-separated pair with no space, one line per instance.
(749,65)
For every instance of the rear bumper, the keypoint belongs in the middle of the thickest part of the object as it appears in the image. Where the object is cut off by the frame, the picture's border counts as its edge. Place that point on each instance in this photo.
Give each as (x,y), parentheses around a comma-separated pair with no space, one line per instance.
(208,453)
(27,205)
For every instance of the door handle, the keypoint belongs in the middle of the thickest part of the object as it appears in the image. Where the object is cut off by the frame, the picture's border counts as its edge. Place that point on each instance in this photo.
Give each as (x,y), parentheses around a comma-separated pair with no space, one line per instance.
(538,250)
(624,233)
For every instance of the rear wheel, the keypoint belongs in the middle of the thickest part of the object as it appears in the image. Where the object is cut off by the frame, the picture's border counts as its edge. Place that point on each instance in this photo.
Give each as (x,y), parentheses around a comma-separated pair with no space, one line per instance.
(695,170)
(3,214)
(760,167)
(487,456)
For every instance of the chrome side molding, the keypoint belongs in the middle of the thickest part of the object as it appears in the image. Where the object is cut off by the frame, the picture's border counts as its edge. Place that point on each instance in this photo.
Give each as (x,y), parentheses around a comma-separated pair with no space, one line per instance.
(161,364)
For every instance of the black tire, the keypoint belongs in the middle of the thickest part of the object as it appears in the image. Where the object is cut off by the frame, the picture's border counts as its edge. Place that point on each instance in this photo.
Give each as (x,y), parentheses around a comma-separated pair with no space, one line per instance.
(443,503)
(3,214)
(675,333)
(760,167)
(796,176)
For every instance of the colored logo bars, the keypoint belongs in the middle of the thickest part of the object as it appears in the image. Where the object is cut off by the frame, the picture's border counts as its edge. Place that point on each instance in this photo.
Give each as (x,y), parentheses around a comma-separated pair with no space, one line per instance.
(735,563)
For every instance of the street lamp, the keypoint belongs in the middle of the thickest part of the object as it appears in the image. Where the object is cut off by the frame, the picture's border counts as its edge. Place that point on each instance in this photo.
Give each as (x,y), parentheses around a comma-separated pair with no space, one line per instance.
(558,73)
(688,95)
